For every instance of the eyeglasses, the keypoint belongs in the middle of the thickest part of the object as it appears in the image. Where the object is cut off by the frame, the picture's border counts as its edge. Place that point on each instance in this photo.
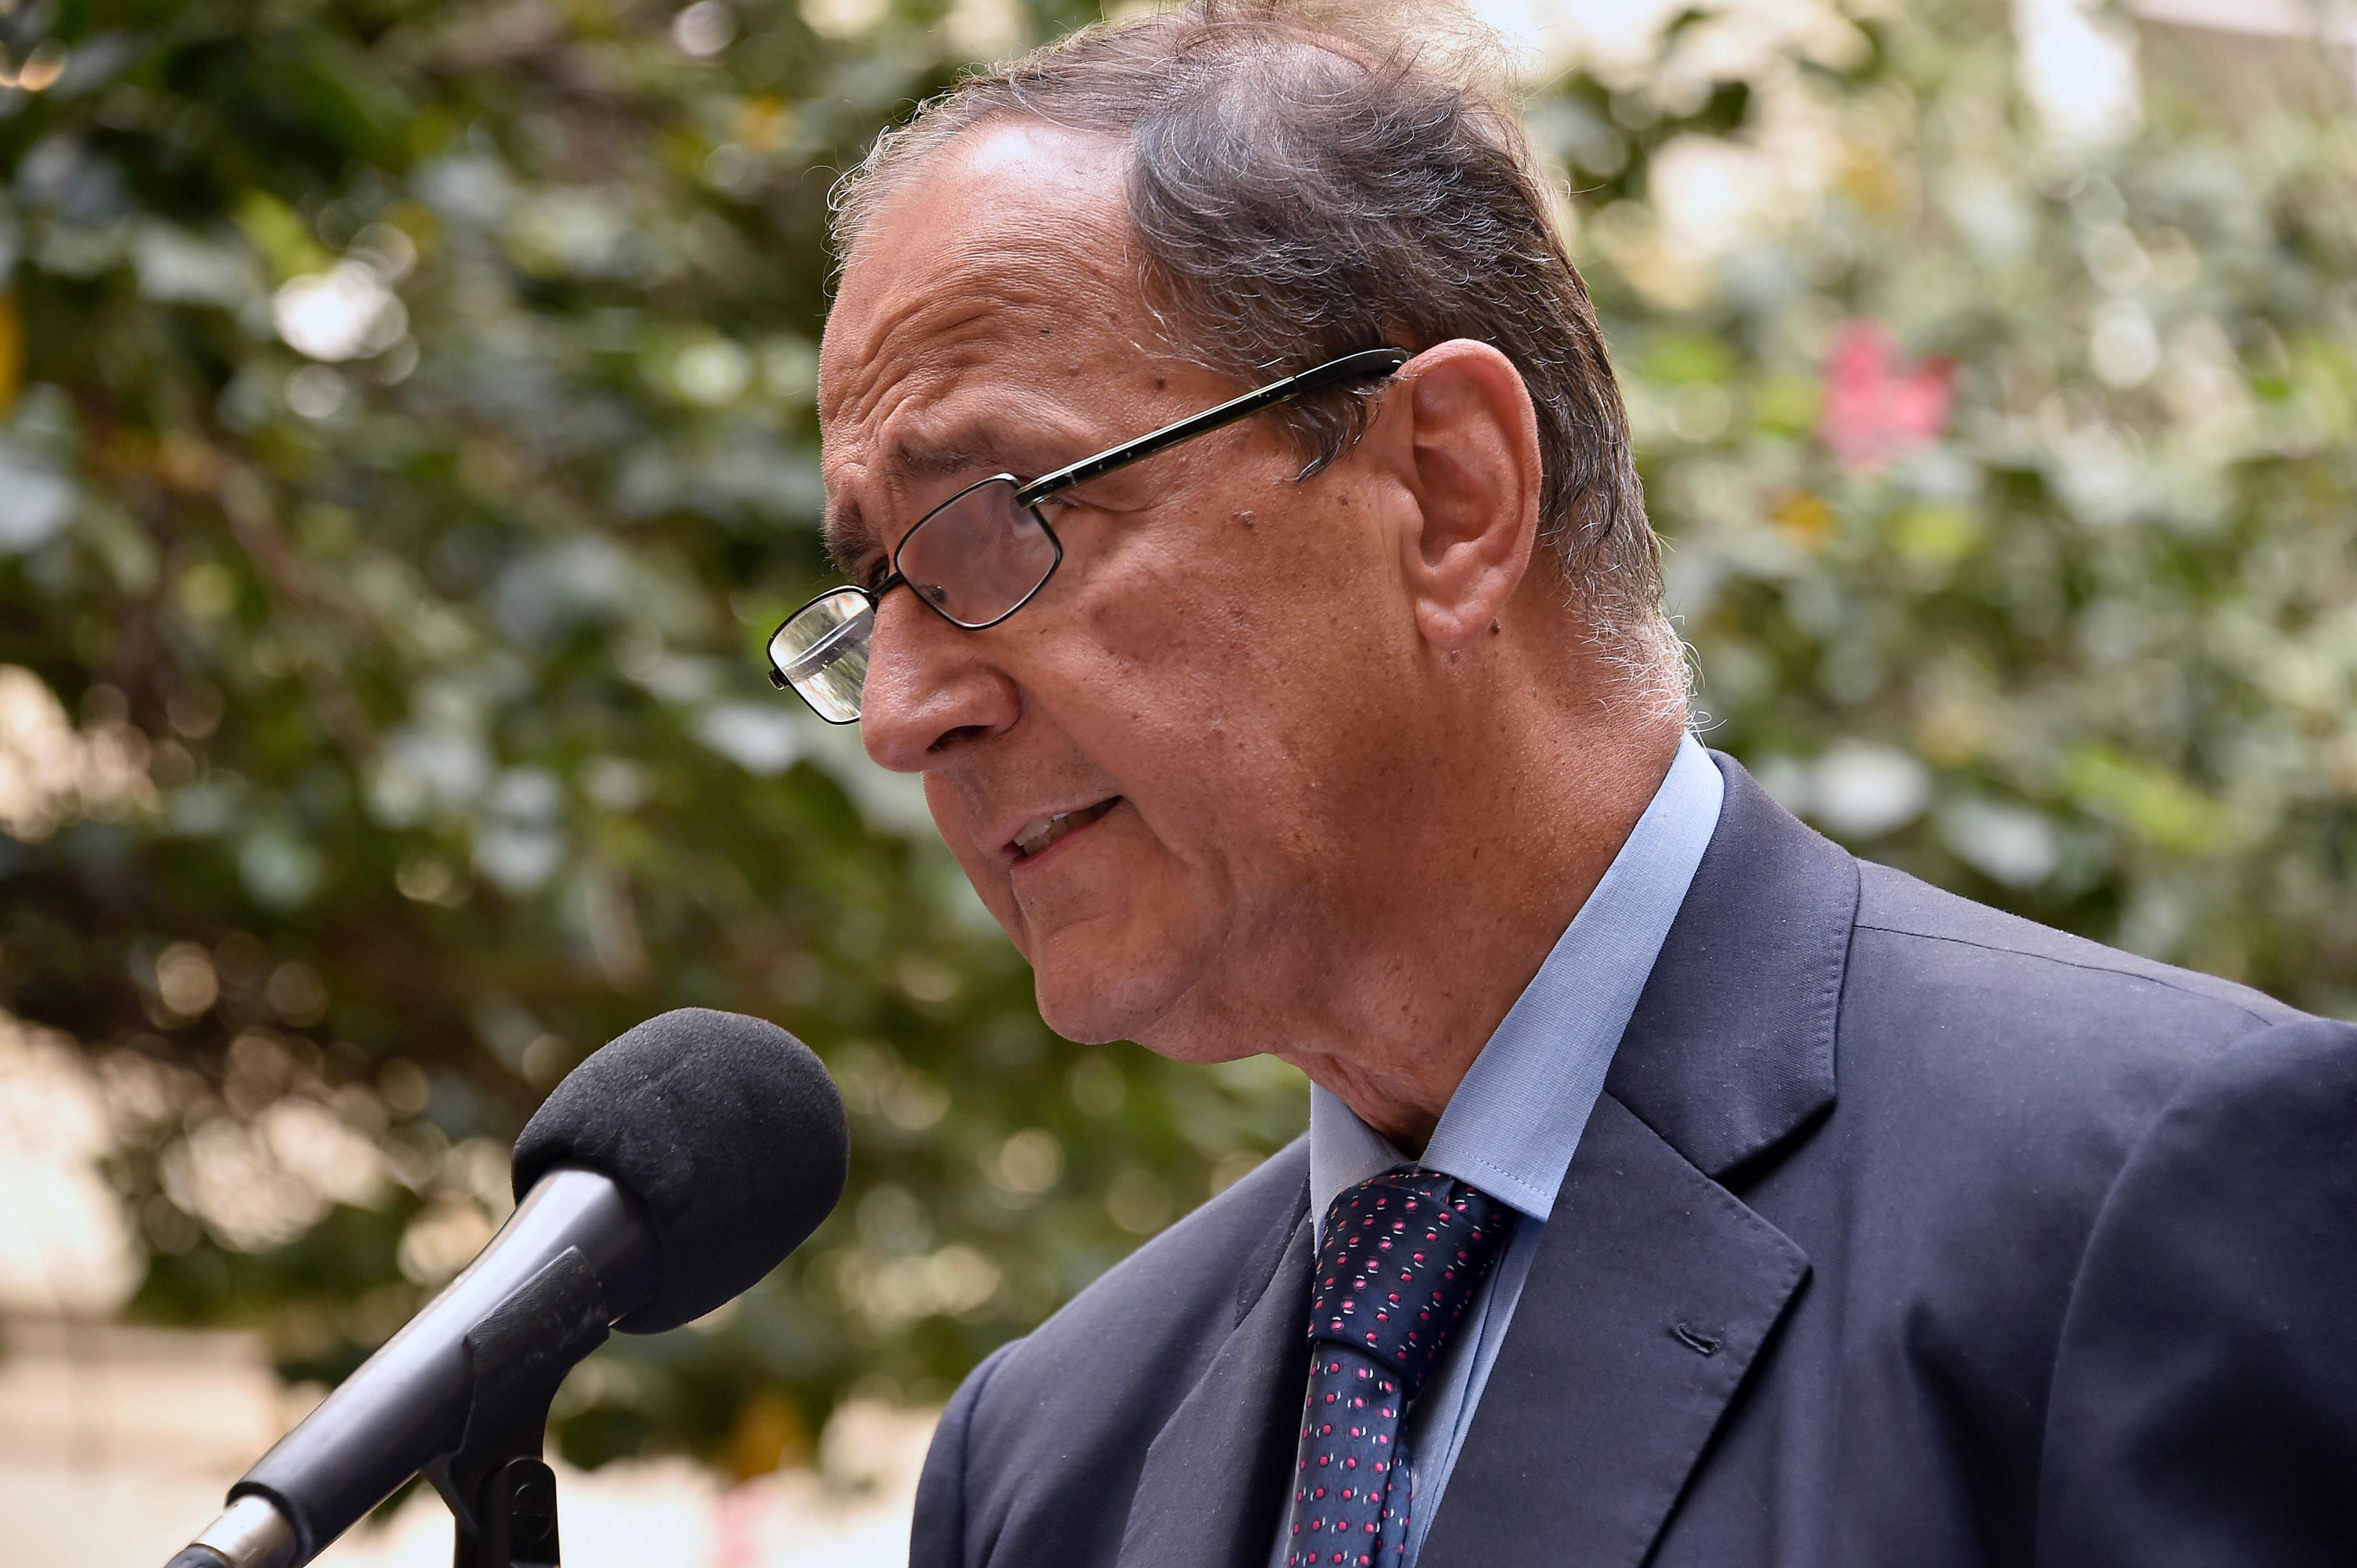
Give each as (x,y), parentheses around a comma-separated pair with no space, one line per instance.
(985,553)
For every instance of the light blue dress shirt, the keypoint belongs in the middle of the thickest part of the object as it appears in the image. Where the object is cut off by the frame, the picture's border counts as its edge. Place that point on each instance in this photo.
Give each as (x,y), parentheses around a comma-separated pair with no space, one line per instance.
(1514,1121)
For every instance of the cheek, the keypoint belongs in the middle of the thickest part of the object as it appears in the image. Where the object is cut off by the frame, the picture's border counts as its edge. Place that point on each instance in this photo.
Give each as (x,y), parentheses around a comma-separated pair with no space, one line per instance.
(1228,721)
(1274,646)
(1180,664)
(1194,618)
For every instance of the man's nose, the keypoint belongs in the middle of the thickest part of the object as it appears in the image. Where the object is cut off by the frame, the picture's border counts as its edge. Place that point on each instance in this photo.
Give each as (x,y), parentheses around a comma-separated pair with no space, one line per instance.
(930,687)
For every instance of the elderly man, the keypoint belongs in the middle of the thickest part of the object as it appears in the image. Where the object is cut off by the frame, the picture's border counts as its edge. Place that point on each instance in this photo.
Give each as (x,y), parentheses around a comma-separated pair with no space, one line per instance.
(1283,661)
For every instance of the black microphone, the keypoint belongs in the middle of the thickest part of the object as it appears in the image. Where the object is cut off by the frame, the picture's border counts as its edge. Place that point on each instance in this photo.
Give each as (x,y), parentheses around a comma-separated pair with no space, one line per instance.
(665,1175)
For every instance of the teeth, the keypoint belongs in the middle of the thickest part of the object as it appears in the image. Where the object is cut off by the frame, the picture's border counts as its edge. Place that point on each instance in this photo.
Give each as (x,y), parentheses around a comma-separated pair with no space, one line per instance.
(1041,832)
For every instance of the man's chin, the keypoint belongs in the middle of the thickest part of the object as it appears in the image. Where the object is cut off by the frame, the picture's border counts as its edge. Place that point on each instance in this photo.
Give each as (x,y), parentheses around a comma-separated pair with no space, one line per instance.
(1093,994)
(1155,1009)
(1092,1007)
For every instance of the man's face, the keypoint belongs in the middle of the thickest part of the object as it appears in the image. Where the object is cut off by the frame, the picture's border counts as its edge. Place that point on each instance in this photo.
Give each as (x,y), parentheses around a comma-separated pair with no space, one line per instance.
(1167,775)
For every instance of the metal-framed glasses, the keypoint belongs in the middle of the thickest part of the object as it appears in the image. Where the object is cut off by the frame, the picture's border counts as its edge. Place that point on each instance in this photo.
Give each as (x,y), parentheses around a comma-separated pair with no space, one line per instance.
(985,553)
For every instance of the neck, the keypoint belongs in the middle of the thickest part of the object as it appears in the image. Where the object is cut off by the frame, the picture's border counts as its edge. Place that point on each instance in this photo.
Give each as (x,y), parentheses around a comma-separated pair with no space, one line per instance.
(1412,978)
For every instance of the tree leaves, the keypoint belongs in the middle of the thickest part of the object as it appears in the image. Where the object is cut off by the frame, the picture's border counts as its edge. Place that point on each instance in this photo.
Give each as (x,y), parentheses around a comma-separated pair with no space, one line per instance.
(406,442)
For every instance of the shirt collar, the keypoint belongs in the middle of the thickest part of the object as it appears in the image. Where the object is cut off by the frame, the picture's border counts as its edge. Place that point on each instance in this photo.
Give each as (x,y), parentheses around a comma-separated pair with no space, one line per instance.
(1514,1122)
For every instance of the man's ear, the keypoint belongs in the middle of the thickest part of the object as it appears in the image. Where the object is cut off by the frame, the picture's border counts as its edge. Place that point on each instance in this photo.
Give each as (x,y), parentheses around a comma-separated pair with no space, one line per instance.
(1473,466)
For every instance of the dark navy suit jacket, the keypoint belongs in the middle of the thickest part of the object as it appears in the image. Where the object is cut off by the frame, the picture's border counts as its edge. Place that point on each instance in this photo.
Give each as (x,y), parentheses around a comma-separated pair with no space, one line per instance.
(1906,1233)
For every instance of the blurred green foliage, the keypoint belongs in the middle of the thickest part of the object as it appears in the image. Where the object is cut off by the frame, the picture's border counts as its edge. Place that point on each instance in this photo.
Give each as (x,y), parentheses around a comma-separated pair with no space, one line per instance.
(408,441)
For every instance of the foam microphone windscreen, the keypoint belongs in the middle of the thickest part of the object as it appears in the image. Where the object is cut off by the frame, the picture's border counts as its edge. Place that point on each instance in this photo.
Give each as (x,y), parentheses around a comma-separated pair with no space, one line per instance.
(725,1129)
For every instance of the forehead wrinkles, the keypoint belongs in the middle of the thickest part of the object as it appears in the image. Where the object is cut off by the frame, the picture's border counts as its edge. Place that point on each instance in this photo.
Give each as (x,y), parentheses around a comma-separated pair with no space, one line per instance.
(949,308)
(925,351)
(1018,308)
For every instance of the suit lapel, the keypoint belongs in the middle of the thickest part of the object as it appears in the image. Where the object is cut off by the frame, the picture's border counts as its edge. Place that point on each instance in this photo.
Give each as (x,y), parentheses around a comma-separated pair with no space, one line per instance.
(1651,1293)
(1654,1288)
(1213,1480)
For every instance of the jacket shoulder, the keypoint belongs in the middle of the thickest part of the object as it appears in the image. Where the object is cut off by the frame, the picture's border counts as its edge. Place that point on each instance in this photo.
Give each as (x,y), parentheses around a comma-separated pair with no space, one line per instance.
(2205,1399)
(1995,1077)
(1055,1425)
(1906,922)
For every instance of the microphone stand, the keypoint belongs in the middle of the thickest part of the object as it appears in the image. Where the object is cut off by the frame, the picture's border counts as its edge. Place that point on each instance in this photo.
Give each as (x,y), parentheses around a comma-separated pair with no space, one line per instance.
(489,1401)
(513,1522)
(503,1495)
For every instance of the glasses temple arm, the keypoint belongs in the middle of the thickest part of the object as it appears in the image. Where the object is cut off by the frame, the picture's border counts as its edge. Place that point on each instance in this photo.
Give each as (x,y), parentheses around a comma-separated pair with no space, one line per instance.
(1334,372)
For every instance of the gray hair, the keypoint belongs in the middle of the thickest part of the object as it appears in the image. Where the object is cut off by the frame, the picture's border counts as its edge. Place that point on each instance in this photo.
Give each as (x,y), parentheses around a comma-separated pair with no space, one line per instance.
(1300,188)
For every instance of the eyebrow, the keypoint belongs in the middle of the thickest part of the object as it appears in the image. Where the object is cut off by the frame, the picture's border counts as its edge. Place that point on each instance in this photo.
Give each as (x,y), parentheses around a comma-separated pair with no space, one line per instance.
(846,529)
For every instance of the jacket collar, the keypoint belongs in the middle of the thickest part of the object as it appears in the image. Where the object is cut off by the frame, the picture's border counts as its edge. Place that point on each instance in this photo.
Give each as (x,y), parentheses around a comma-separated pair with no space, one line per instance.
(1730,1050)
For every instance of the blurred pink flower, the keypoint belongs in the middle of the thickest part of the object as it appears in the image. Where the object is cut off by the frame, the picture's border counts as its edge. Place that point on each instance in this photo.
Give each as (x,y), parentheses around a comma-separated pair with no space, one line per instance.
(1876,406)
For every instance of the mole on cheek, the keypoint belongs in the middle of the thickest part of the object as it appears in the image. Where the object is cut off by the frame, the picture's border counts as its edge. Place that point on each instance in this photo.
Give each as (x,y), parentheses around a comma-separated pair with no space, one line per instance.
(1248,519)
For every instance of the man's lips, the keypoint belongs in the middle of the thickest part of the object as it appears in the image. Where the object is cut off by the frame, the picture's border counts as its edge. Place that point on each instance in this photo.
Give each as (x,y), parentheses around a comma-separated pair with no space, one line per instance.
(1045,831)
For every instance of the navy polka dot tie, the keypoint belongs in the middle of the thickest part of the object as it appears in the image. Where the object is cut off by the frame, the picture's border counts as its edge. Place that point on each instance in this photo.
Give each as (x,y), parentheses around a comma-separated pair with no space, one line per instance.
(1403,1254)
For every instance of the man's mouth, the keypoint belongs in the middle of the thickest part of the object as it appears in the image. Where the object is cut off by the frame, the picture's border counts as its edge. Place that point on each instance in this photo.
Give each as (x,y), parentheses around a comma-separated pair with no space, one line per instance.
(1043,833)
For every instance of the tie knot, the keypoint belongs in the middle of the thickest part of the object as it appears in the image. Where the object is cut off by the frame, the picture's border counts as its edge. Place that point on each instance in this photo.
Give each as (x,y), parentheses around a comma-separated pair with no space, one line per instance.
(1402,1256)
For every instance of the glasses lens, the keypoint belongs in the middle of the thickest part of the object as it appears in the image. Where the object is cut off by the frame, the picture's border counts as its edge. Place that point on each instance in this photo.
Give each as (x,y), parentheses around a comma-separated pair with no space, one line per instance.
(979,556)
(823,652)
